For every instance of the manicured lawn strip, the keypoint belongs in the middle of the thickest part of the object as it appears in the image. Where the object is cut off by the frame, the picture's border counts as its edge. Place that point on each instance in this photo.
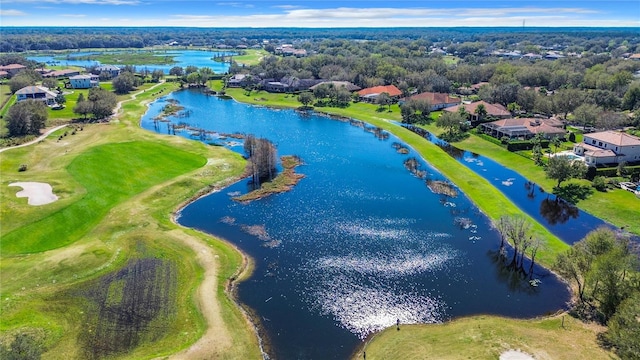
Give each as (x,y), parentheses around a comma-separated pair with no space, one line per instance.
(251,57)
(618,207)
(486,337)
(110,174)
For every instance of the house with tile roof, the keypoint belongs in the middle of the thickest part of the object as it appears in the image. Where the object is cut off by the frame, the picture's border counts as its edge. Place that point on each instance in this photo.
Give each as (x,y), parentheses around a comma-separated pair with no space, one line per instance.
(608,147)
(493,110)
(12,69)
(36,93)
(371,94)
(523,128)
(438,101)
(338,84)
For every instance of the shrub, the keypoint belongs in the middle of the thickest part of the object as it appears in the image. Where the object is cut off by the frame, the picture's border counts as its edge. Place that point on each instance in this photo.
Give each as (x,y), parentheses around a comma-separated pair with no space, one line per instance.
(599,183)
(22,168)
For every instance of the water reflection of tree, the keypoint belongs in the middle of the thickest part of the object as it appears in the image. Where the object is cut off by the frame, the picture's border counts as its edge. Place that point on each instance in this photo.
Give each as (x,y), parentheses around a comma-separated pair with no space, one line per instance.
(515,280)
(557,211)
(452,151)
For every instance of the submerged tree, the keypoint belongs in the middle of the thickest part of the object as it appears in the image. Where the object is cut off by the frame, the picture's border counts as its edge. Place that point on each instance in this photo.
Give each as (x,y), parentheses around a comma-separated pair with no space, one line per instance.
(262,156)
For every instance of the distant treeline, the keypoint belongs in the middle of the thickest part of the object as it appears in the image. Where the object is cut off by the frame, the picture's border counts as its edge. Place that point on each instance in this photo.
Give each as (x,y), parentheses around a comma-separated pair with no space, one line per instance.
(19,39)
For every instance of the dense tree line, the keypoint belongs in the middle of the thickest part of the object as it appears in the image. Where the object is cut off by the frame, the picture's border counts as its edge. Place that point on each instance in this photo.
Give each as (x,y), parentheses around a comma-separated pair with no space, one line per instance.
(604,268)
(467,40)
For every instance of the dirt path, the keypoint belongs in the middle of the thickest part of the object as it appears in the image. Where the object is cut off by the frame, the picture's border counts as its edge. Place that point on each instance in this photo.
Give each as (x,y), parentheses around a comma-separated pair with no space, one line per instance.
(216,337)
(116,111)
(39,138)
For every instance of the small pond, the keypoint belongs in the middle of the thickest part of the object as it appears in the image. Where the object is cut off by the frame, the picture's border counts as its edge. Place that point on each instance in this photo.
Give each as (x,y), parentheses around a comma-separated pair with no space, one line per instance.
(359,243)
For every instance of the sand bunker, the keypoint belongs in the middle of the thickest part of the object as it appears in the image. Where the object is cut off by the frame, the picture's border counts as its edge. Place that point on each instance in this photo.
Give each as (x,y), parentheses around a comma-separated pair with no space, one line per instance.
(38,193)
(515,355)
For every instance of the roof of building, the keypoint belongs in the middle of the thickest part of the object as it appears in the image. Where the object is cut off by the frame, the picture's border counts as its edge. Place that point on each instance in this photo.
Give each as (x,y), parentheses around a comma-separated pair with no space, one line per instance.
(107,68)
(436,98)
(634,56)
(3,73)
(346,84)
(83,77)
(614,137)
(534,126)
(63,72)
(34,90)
(492,109)
(389,89)
(12,67)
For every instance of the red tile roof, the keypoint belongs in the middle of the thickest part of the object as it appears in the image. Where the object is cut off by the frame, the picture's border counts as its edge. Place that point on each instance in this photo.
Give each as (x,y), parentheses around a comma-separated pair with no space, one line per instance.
(389,89)
(12,67)
(496,110)
(436,98)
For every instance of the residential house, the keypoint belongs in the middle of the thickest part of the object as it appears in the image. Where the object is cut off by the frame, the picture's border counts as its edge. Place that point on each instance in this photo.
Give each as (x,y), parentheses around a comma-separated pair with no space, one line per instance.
(493,110)
(242,80)
(3,74)
(36,93)
(523,128)
(288,84)
(62,73)
(438,101)
(84,81)
(338,84)
(473,89)
(608,147)
(532,56)
(371,94)
(113,71)
(12,69)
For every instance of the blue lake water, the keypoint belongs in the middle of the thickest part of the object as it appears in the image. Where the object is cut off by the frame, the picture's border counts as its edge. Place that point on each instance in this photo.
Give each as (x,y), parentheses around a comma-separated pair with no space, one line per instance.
(183,58)
(358,244)
(560,217)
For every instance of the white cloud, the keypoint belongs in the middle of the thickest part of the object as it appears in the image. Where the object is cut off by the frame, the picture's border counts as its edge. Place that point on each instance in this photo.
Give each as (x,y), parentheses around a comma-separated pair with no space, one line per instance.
(74,15)
(235,4)
(10,12)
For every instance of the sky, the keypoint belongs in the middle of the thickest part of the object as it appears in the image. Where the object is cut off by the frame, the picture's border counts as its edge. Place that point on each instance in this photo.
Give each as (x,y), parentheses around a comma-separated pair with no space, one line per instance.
(318,13)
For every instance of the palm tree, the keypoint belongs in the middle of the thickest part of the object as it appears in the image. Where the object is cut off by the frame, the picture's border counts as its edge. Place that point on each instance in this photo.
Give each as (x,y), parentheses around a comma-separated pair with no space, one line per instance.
(481,112)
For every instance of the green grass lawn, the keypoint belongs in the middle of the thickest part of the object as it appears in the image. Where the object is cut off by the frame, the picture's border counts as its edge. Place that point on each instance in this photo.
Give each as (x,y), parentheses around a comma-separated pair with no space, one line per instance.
(118,185)
(108,178)
(251,57)
(486,337)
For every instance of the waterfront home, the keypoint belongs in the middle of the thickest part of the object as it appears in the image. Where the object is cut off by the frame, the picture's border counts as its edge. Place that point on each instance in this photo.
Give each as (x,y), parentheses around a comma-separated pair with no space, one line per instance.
(112,71)
(338,84)
(608,147)
(438,101)
(36,93)
(12,69)
(62,73)
(289,84)
(84,81)
(523,128)
(493,110)
(242,80)
(371,94)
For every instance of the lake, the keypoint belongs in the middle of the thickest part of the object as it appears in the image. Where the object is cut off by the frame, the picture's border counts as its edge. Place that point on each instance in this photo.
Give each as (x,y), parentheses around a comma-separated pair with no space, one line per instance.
(358,244)
(183,58)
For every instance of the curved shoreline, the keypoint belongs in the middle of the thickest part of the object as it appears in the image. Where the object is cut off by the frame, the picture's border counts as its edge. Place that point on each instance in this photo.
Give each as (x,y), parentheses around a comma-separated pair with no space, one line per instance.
(245,271)
(242,273)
